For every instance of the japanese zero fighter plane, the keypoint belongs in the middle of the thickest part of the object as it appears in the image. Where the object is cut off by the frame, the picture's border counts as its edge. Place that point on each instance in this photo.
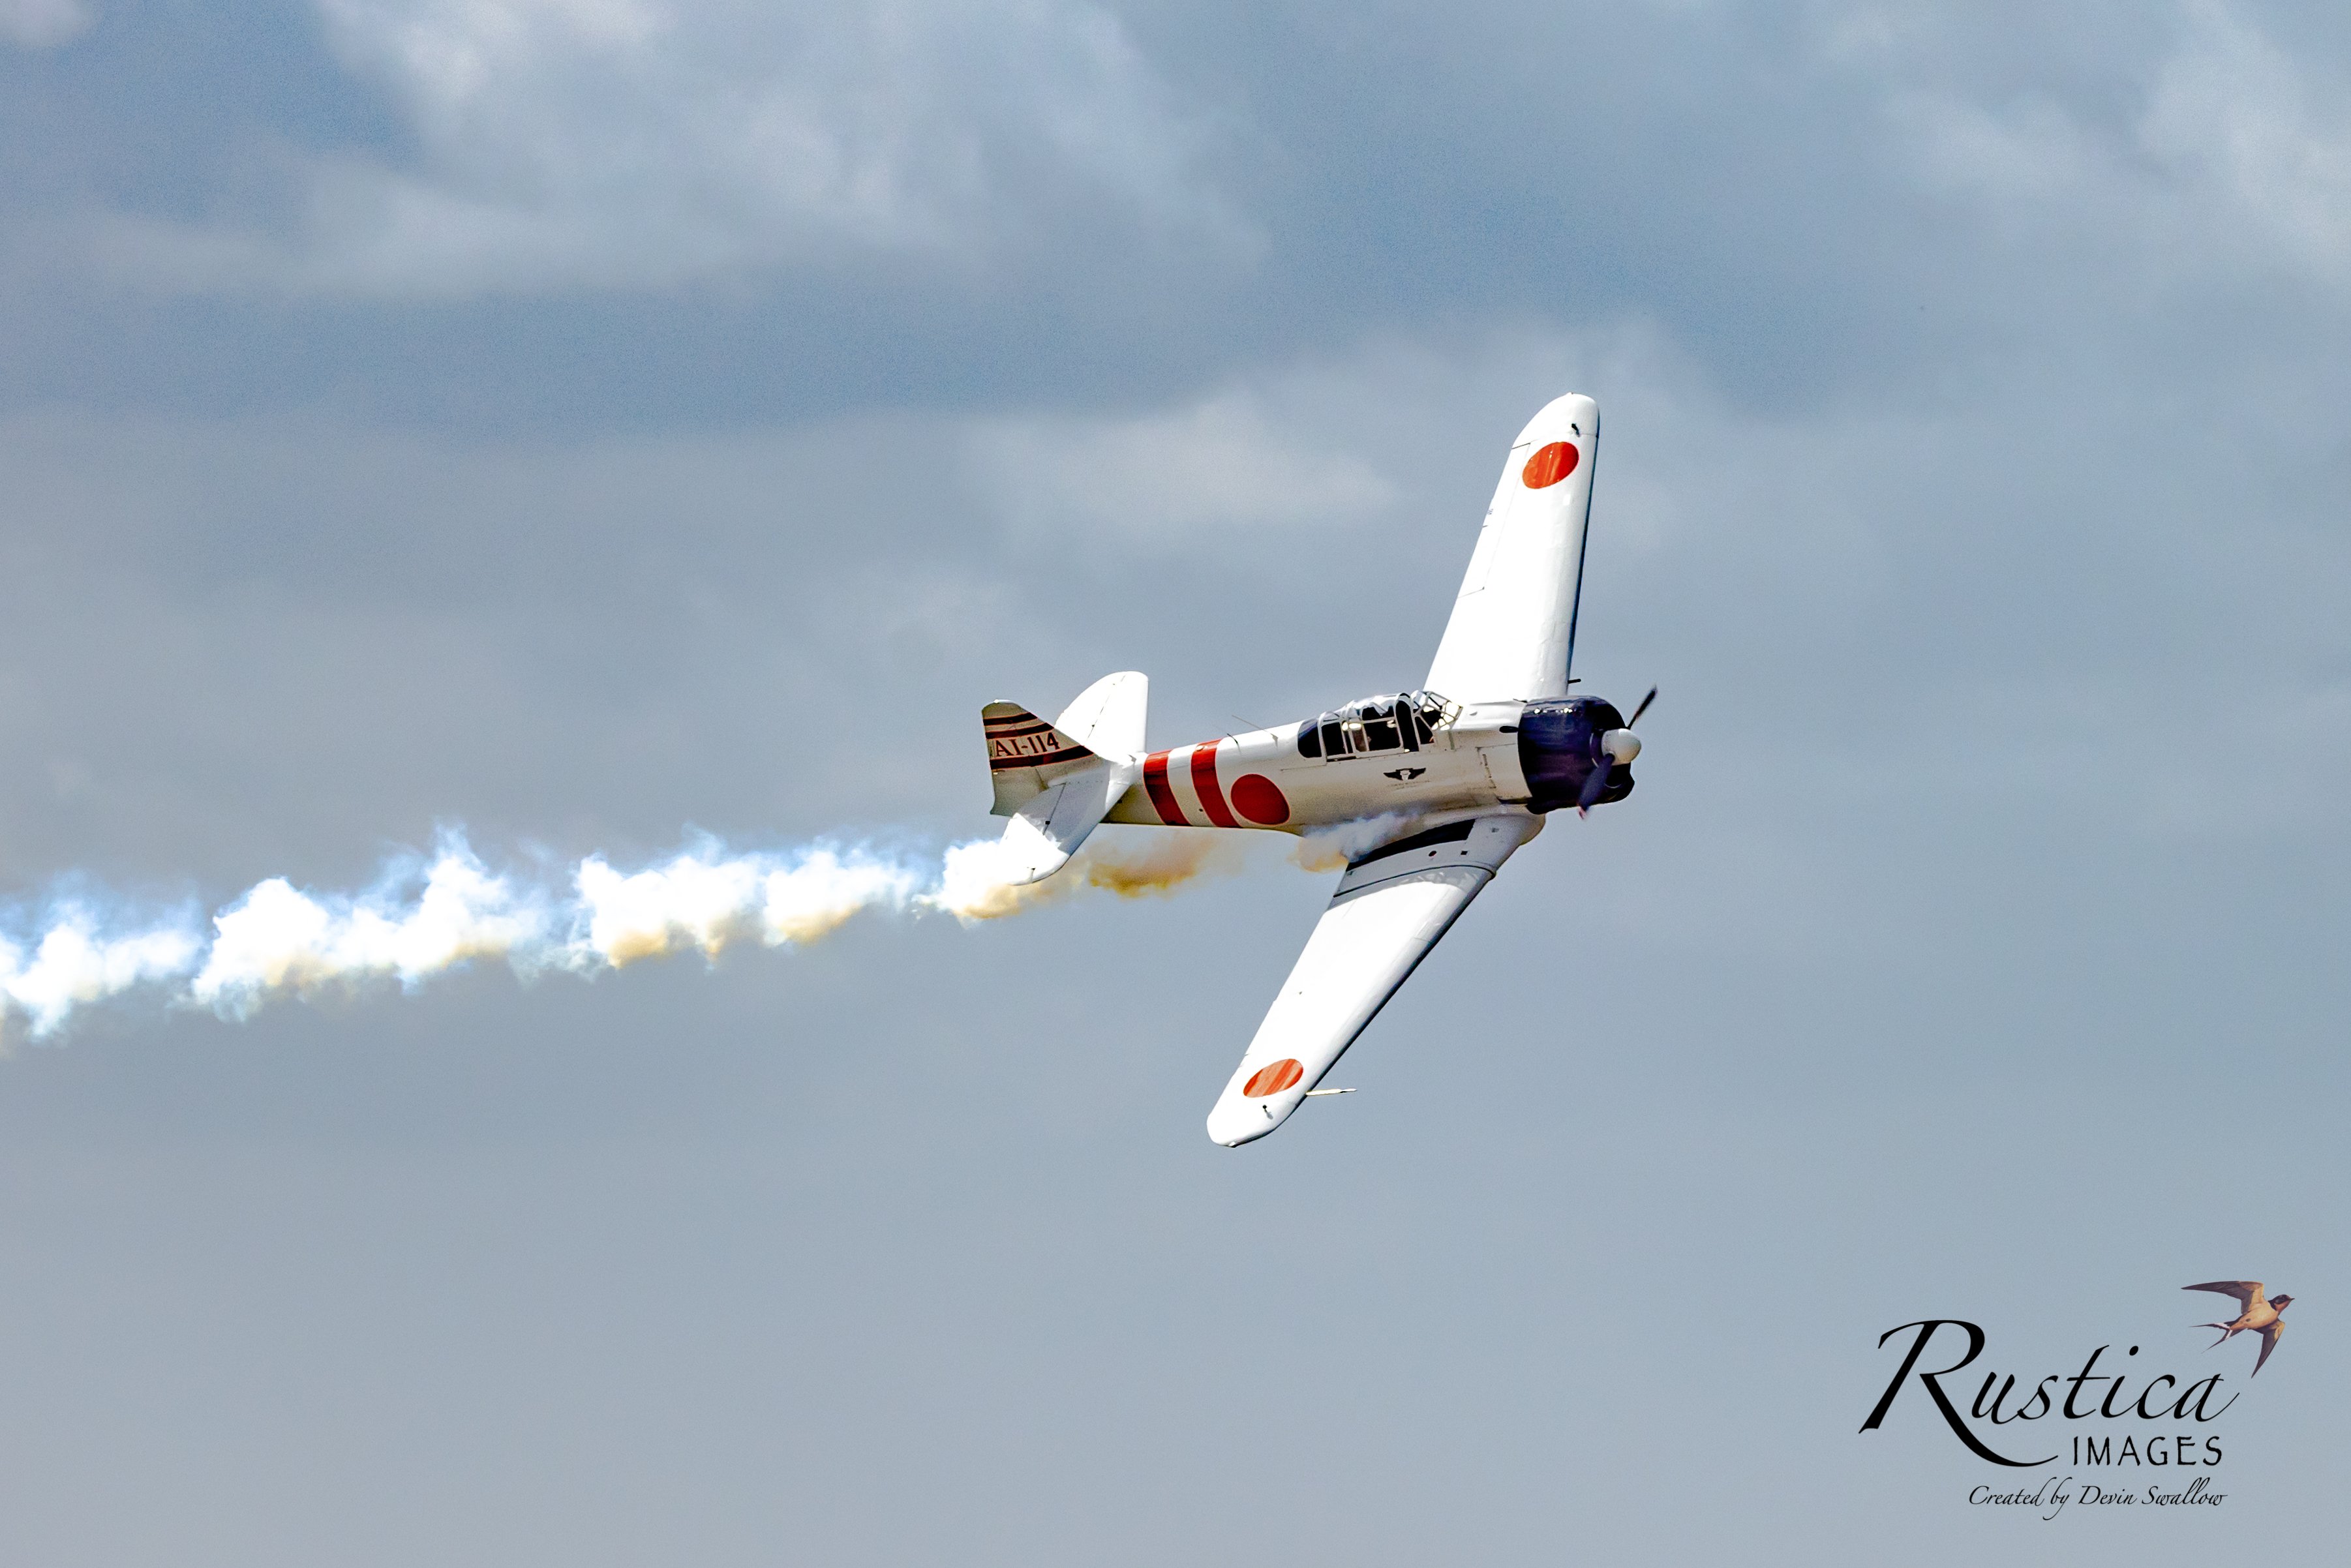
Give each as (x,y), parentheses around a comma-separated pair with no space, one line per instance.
(1442,784)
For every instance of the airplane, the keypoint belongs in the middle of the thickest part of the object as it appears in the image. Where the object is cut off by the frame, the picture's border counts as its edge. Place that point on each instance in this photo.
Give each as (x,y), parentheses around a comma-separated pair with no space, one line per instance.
(1442,784)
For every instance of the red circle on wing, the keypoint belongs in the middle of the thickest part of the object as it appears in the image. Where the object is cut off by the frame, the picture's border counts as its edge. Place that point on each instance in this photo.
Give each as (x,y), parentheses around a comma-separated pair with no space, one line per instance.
(1274,1079)
(1259,799)
(1550,465)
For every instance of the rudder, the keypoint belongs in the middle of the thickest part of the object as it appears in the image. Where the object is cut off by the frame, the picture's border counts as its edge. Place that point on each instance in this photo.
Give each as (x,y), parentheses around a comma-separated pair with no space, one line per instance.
(1025,755)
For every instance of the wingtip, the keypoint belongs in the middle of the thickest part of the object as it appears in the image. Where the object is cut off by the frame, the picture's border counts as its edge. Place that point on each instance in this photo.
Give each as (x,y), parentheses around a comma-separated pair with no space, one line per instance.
(1231,1125)
(1231,1137)
(1570,413)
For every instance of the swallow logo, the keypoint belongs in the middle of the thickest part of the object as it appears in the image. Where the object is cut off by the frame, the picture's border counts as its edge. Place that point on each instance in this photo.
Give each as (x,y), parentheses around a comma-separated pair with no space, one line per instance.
(1404,775)
(2260,1315)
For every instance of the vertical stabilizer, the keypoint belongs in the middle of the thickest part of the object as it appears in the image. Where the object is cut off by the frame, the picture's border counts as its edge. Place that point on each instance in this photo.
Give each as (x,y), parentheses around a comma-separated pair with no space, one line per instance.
(1108,715)
(1057,781)
(1025,755)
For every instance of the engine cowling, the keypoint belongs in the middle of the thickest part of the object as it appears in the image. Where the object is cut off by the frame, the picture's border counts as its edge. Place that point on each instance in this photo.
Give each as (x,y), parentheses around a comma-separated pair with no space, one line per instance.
(1561,743)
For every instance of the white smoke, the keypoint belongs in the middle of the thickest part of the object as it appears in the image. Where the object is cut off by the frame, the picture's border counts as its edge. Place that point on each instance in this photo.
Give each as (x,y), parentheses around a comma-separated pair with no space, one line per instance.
(706,901)
(1335,847)
(276,939)
(428,914)
(978,881)
(73,966)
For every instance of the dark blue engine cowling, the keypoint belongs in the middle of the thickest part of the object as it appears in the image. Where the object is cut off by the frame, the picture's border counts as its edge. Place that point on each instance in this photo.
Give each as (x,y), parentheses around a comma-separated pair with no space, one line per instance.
(1559,746)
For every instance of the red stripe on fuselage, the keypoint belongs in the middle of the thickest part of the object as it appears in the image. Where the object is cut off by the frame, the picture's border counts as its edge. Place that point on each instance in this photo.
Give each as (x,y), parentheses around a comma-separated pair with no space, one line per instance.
(1205,785)
(1163,798)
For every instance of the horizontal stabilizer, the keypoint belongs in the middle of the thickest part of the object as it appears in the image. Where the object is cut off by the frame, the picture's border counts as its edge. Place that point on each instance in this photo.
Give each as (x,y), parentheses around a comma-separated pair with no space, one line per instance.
(1045,832)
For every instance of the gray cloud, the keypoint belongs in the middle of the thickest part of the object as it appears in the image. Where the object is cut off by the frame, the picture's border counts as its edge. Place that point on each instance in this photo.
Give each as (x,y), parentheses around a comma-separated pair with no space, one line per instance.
(44,23)
(2223,158)
(625,144)
(1857,197)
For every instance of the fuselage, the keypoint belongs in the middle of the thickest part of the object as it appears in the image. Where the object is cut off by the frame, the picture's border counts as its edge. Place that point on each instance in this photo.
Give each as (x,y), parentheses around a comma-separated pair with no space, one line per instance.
(1410,756)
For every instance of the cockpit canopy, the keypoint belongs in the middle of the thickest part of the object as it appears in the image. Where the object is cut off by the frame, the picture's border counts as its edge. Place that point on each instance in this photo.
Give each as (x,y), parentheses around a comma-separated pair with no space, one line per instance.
(1403,722)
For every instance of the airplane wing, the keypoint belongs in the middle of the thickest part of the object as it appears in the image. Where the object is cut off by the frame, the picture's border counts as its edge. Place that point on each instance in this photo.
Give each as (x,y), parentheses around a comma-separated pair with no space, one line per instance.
(1513,626)
(2245,1290)
(1388,911)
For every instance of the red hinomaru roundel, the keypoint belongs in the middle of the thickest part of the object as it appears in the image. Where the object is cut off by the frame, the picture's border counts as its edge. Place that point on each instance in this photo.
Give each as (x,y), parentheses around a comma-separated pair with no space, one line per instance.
(1274,1078)
(1549,465)
(1259,799)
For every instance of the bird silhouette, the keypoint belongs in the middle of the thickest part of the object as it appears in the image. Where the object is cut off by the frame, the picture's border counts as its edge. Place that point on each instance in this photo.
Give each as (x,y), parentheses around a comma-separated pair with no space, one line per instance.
(2259,1316)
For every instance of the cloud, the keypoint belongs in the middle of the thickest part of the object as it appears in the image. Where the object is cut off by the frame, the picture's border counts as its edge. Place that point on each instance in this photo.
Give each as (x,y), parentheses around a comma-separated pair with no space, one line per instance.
(566,145)
(1228,460)
(44,23)
(2235,120)
(2225,155)
(1298,455)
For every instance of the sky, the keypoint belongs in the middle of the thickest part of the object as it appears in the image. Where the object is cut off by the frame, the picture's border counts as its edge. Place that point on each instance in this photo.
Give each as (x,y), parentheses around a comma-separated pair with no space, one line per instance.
(605,426)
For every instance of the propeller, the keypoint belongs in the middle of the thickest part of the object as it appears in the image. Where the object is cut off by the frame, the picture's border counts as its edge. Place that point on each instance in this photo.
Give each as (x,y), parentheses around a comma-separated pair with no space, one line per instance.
(1594,787)
(1619,746)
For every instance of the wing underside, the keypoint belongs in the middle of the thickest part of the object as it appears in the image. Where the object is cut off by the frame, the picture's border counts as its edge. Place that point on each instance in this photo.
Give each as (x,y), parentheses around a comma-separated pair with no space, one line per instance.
(1513,624)
(1389,910)
(2245,1290)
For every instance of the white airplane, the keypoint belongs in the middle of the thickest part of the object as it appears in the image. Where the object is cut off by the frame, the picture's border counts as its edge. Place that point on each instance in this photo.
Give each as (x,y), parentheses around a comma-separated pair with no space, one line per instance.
(1446,782)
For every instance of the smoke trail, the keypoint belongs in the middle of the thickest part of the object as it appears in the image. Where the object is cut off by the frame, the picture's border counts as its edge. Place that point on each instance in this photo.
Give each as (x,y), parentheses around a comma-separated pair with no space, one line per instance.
(975,882)
(426,915)
(1335,848)
(74,965)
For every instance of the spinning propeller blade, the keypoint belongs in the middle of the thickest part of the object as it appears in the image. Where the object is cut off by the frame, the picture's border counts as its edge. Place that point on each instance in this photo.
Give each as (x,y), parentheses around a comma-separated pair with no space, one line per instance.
(1618,745)
(1595,787)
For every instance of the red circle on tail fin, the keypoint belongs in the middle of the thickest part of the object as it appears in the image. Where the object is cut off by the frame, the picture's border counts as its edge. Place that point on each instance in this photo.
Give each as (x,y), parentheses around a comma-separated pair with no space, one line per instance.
(1259,799)
(1274,1079)
(1550,465)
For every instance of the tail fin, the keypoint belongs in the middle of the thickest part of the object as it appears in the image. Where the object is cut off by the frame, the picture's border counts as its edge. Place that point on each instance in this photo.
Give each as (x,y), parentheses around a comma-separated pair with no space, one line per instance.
(1057,781)
(1108,715)
(1026,755)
